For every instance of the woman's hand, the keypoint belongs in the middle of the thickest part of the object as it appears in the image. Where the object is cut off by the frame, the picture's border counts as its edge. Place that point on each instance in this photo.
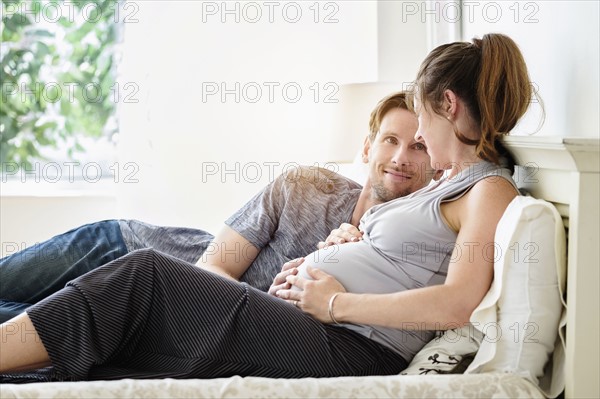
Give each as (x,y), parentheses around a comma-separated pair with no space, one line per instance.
(314,295)
(345,233)
(289,268)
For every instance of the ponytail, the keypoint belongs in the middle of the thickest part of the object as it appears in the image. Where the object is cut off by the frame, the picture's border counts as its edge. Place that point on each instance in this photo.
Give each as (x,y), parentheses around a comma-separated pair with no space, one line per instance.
(503,91)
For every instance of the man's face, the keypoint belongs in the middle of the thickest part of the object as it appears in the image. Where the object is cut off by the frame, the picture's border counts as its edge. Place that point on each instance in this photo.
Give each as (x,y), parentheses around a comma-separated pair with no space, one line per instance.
(398,164)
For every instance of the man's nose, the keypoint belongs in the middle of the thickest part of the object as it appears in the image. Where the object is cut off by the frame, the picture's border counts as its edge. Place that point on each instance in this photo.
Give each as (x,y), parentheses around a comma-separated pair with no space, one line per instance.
(400,156)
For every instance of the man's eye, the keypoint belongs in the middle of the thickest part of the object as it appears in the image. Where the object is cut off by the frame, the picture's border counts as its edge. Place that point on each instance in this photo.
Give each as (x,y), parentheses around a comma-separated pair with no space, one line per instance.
(420,147)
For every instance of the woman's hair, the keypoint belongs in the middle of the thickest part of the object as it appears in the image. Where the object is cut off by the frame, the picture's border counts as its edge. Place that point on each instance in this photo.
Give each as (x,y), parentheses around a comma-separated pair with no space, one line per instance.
(490,77)
(401,99)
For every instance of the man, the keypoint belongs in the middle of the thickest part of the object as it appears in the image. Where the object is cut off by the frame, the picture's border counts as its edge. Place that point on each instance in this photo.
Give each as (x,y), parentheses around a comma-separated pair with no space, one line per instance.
(281,223)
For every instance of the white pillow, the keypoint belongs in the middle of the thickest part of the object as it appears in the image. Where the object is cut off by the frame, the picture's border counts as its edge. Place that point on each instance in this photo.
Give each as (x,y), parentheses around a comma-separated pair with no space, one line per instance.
(523,314)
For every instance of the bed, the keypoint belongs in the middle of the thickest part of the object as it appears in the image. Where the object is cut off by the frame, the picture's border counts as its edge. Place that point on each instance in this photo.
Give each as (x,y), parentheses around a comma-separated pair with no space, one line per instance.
(565,172)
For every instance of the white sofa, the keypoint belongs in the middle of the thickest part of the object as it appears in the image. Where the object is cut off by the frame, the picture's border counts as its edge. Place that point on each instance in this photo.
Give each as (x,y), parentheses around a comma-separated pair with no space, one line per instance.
(564,172)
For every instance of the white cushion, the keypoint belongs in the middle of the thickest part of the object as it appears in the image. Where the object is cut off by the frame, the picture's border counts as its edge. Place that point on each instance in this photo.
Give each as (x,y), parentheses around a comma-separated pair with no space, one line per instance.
(523,314)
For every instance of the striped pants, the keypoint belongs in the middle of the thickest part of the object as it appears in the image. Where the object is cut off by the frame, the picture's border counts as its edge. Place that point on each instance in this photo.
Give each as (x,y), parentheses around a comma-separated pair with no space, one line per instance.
(149,315)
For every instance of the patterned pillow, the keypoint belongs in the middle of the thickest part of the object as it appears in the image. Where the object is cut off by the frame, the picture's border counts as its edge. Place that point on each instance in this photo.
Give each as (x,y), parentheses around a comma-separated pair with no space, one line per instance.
(450,352)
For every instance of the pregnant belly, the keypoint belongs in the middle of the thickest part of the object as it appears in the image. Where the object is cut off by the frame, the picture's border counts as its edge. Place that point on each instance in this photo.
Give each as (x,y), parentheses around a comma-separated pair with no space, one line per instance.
(358,267)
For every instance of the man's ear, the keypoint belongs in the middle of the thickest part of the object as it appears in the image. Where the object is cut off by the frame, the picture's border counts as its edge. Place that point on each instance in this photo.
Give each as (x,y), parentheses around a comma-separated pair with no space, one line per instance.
(366,150)
(438,175)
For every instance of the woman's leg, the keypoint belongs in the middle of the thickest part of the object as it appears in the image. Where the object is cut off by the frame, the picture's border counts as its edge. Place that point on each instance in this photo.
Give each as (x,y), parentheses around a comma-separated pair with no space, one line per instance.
(150,315)
(22,348)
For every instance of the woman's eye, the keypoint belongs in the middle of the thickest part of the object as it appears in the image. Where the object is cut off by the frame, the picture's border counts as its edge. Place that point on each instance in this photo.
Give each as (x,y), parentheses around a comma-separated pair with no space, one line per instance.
(391,140)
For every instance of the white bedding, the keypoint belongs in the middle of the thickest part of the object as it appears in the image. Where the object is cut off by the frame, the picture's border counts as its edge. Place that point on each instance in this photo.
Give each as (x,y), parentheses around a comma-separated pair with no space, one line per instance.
(487,385)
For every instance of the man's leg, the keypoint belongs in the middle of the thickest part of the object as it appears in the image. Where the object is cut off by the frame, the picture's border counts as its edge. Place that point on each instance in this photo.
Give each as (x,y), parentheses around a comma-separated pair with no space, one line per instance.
(8,310)
(37,272)
(181,242)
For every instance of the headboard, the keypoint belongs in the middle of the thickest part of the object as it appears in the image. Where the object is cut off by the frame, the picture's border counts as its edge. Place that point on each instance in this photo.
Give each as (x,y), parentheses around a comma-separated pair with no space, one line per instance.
(566,172)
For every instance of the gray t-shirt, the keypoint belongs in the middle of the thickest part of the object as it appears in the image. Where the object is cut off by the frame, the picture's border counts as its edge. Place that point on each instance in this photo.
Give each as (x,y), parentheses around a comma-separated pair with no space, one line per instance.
(290,216)
(406,245)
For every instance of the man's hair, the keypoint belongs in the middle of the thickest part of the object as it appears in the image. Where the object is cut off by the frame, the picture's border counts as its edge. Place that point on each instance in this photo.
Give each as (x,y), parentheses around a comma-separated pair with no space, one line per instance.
(401,100)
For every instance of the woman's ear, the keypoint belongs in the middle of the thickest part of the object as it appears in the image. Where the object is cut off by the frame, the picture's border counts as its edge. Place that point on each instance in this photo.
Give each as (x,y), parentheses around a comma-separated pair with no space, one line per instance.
(450,104)
(366,150)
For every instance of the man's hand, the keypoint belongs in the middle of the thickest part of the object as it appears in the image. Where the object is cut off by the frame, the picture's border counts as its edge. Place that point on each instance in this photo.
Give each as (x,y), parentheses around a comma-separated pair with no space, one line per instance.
(314,295)
(345,233)
(280,281)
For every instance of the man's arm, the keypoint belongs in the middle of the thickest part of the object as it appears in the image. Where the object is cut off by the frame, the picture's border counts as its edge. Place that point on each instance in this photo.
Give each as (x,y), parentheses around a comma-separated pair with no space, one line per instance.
(272,210)
(228,255)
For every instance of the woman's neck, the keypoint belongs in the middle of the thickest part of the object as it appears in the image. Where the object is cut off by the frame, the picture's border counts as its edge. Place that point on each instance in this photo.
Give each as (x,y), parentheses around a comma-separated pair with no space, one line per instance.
(467,159)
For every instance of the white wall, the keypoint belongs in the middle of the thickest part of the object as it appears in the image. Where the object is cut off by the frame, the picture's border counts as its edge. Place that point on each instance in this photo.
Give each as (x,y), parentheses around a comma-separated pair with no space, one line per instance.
(29,219)
(401,42)
(560,42)
(177,49)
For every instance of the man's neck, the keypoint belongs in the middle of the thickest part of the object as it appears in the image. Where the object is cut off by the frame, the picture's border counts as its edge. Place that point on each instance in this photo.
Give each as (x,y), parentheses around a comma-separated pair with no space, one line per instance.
(365,201)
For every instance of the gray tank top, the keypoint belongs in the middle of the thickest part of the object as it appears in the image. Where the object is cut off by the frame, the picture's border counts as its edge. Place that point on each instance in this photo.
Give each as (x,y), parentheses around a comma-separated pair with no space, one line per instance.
(406,245)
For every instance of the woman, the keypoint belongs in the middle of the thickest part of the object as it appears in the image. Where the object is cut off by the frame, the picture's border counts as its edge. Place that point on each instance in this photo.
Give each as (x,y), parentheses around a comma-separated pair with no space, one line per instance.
(366,309)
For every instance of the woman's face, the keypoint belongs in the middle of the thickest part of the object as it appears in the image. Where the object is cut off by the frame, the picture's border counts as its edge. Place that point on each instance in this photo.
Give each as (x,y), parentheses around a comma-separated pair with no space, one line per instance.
(437,134)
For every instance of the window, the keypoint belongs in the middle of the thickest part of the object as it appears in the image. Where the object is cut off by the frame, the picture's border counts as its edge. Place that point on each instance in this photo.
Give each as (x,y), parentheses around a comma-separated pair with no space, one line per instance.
(58,92)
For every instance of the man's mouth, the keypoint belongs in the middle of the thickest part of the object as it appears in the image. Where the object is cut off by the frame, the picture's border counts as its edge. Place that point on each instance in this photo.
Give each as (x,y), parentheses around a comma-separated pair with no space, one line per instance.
(397,175)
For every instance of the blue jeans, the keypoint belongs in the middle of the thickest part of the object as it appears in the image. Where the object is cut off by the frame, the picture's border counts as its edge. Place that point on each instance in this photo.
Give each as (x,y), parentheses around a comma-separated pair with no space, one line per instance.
(37,272)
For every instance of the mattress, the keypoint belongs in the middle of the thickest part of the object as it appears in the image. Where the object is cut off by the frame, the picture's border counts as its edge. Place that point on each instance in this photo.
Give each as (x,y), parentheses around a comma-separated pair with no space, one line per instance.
(488,385)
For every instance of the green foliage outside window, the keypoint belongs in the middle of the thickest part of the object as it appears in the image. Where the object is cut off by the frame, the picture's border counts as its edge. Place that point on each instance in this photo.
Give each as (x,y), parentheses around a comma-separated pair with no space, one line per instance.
(57,76)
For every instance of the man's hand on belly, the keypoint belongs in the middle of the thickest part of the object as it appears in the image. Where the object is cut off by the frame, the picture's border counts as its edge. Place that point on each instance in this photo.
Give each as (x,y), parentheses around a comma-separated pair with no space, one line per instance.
(345,233)
(289,268)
